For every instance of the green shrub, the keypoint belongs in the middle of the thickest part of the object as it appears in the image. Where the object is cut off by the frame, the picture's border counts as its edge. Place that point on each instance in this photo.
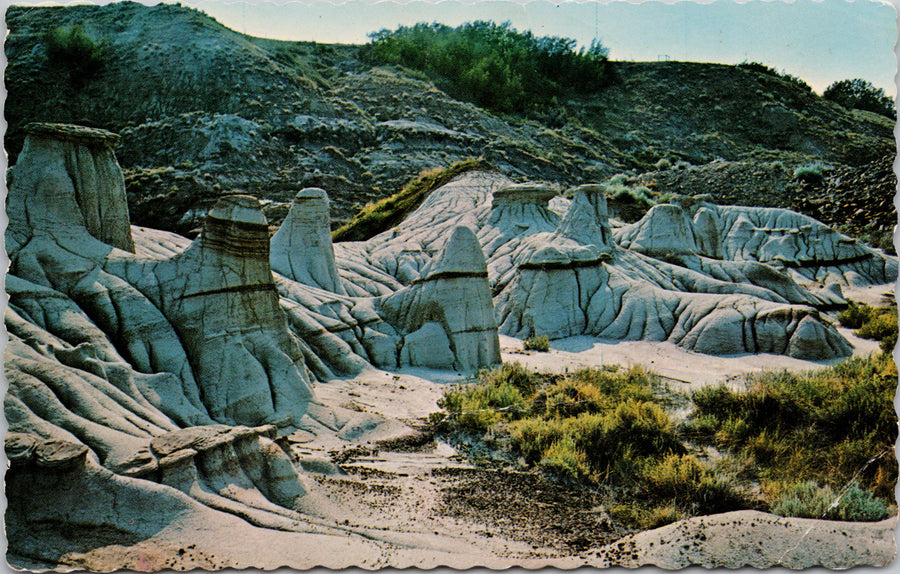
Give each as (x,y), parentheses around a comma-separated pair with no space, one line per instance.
(614,443)
(637,194)
(888,343)
(563,458)
(502,393)
(478,407)
(855,315)
(75,52)
(620,179)
(808,500)
(880,326)
(861,95)
(663,164)
(813,173)
(597,390)
(604,425)
(684,480)
(633,201)
(514,374)
(640,428)
(569,398)
(493,65)
(537,343)
(824,425)
(876,323)
(534,436)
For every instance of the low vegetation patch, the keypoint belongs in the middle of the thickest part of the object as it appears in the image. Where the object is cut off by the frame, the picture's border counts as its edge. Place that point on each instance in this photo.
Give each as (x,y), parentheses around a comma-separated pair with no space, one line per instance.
(808,500)
(382,215)
(832,427)
(539,343)
(812,174)
(600,428)
(815,444)
(876,323)
(631,202)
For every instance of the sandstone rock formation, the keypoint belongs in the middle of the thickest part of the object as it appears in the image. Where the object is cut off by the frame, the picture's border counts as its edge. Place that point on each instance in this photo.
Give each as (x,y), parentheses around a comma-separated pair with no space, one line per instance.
(301,248)
(68,175)
(712,279)
(221,299)
(447,316)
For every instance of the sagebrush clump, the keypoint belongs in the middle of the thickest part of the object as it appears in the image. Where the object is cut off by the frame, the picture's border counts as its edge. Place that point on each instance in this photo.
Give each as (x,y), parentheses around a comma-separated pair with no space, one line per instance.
(807,499)
(539,343)
(813,173)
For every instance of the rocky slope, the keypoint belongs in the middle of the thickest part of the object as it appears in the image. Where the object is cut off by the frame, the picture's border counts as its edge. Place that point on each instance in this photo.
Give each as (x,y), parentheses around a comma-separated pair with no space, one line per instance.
(227,113)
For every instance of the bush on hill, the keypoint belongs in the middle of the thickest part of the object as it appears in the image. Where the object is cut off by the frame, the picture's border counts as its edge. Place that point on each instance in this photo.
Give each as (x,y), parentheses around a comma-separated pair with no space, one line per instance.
(858,94)
(493,65)
(764,69)
(75,52)
(812,173)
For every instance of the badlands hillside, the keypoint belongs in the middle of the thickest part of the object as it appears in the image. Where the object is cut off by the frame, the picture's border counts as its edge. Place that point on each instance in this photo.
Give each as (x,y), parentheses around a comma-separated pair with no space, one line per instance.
(199,377)
(228,113)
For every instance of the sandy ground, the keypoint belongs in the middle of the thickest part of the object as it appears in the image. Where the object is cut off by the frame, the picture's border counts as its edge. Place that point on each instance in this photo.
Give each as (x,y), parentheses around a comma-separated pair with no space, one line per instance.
(678,365)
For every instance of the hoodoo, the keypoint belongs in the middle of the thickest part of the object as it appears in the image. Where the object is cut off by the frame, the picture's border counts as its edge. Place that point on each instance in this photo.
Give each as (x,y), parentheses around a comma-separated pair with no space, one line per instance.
(587,220)
(447,315)
(221,297)
(68,176)
(301,248)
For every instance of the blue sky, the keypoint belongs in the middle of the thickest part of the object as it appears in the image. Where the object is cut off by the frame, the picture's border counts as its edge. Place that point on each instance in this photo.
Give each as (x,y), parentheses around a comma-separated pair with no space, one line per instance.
(819,41)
